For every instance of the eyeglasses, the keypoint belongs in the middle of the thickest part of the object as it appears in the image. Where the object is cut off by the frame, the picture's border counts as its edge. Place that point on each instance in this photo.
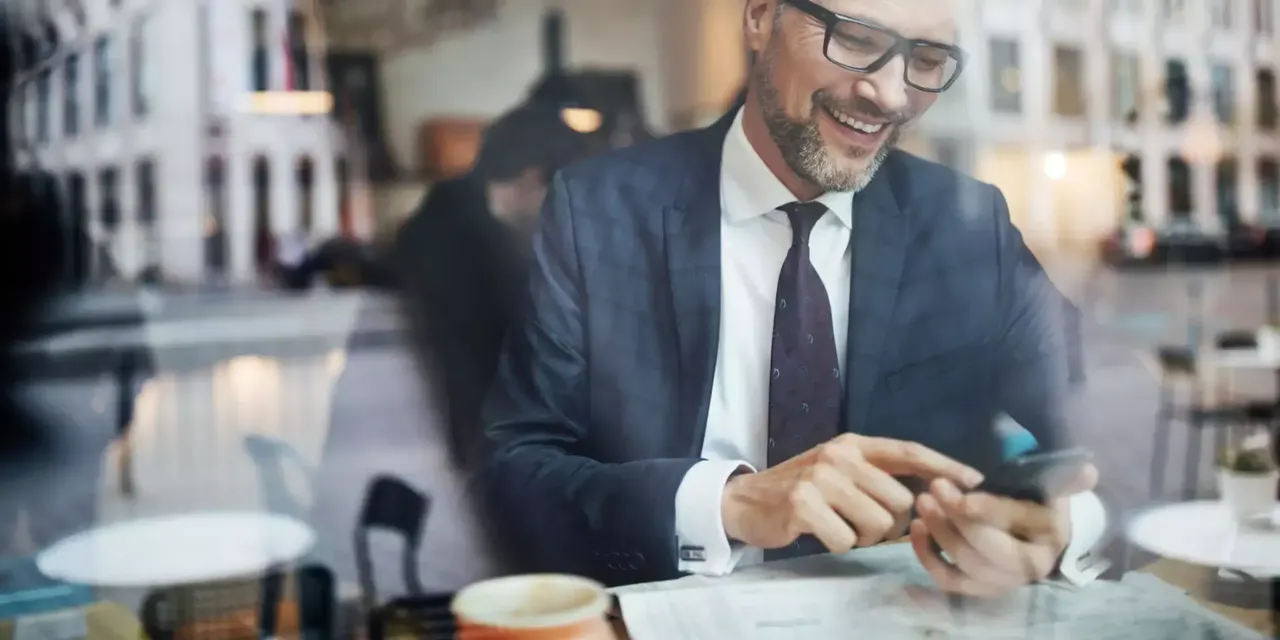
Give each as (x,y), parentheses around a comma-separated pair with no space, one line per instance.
(858,45)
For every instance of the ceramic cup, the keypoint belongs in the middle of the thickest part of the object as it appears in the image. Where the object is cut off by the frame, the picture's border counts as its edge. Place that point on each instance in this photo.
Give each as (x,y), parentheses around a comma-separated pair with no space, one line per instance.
(533,607)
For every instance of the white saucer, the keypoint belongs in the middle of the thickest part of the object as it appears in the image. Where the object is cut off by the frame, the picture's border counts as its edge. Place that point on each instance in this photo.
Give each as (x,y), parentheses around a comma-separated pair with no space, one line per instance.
(1205,533)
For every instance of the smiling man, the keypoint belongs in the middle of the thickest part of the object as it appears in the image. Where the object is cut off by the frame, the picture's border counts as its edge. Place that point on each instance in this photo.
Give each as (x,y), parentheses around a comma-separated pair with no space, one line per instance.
(780,335)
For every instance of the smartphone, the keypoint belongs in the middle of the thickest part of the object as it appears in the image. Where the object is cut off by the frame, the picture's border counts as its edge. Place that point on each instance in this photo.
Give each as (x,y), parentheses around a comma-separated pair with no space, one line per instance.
(1036,477)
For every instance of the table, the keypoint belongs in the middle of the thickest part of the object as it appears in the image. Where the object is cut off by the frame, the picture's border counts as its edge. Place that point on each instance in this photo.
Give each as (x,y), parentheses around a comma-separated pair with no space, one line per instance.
(1196,539)
(100,620)
(177,549)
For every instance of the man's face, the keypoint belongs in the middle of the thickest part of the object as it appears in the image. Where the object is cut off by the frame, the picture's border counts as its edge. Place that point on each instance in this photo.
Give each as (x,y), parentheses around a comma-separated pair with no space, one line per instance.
(518,199)
(834,127)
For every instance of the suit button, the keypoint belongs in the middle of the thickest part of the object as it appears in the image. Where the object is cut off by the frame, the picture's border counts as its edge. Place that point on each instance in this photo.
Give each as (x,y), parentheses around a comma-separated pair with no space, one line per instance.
(771,443)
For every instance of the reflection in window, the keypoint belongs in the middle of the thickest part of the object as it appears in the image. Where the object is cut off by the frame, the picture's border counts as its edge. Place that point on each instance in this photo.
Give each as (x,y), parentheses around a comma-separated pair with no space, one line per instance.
(1226,189)
(1223,93)
(1006,79)
(109,198)
(299,77)
(1126,85)
(215,215)
(71,95)
(102,81)
(1177,90)
(43,89)
(146,193)
(138,68)
(264,245)
(342,176)
(259,57)
(1221,15)
(1068,81)
(1269,189)
(1264,16)
(1266,98)
(1179,189)
(305,179)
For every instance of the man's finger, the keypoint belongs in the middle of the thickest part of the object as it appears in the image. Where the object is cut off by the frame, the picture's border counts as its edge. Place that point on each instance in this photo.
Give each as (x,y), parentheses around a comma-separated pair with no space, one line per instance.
(870,521)
(902,458)
(816,517)
(1019,517)
(883,488)
(1085,481)
(947,577)
(979,564)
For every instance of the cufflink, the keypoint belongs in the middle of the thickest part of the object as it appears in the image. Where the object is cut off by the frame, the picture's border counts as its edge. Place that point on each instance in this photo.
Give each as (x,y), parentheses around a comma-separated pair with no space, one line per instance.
(689,553)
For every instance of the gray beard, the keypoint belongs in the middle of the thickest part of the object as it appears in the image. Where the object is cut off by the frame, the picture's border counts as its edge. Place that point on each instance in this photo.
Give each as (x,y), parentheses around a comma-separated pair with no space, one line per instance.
(800,142)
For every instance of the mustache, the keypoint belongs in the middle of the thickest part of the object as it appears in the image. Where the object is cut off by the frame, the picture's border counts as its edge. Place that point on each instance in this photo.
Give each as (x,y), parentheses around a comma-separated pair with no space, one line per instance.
(861,106)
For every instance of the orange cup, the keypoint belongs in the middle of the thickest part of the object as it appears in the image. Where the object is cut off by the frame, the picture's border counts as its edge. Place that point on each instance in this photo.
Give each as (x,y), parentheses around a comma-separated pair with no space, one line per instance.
(533,607)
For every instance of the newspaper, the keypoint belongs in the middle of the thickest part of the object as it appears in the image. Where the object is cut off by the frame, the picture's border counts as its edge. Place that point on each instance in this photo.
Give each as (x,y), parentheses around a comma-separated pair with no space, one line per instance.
(884,593)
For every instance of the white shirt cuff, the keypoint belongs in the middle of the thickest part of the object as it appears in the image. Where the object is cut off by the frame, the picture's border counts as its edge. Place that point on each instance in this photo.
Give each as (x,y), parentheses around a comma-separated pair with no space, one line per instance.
(1088,524)
(704,546)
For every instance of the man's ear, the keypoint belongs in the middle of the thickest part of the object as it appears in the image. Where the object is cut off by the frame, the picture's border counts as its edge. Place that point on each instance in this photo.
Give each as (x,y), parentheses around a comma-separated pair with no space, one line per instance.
(757,23)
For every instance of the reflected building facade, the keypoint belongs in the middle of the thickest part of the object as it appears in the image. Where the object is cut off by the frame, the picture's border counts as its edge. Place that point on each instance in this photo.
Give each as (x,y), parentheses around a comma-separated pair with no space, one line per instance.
(145,112)
(1057,93)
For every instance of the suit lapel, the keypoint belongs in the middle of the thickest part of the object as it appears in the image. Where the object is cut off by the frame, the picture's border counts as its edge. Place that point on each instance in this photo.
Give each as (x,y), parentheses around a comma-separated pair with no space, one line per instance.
(880,235)
(691,228)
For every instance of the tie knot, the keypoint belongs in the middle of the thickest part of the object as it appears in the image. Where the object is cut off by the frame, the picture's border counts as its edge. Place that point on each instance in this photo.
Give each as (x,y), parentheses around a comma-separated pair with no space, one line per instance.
(803,216)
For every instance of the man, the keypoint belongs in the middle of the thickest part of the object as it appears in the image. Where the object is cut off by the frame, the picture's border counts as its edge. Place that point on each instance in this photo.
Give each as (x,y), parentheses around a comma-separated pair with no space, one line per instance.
(462,260)
(750,341)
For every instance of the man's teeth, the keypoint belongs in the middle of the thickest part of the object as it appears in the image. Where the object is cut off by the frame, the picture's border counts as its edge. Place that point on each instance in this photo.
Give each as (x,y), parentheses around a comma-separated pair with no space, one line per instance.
(850,121)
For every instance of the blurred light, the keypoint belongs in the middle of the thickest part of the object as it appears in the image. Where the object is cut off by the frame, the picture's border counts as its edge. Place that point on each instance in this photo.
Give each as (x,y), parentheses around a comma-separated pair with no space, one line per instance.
(1055,165)
(582,120)
(289,103)
(1142,241)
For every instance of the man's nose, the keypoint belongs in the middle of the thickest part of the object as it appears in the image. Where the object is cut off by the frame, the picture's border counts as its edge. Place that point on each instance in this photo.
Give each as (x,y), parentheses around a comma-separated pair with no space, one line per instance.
(886,87)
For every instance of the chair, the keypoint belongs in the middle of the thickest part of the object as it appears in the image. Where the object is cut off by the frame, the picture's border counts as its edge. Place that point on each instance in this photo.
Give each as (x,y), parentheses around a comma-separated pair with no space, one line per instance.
(269,457)
(229,610)
(390,504)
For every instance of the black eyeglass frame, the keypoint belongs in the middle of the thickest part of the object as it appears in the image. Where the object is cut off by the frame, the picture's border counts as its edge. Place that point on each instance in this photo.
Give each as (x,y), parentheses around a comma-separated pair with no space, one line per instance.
(902,46)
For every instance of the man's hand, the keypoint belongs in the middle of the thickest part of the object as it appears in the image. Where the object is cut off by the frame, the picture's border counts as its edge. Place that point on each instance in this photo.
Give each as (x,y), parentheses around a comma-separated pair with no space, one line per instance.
(842,492)
(994,544)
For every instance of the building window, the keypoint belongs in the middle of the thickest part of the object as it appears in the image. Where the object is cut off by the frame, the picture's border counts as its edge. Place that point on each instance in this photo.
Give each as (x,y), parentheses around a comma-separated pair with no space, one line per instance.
(259,57)
(138,69)
(1126,87)
(1223,83)
(1264,16)
(71,95)
(1267,112)
(43,88)
(1068,82)
(1226,188)
(342,176)
(1006,76)
(109,198)
(1177,91)
(263,239)
(1174,11)
(215,237)
(299,77)
(102,81)
(1221,15)
(1269,189)
(1179,189)
(305,178)
(145,175)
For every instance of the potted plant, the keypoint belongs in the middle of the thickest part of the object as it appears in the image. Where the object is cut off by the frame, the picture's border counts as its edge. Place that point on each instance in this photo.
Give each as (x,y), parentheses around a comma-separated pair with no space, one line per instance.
(1247,479)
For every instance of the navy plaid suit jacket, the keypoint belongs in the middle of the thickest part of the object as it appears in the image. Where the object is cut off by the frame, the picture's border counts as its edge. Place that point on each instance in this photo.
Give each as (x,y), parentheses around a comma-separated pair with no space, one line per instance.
(601,399)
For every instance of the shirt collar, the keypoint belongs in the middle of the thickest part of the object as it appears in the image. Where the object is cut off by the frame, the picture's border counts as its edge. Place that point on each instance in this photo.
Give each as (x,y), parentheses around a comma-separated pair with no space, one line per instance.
(749,189)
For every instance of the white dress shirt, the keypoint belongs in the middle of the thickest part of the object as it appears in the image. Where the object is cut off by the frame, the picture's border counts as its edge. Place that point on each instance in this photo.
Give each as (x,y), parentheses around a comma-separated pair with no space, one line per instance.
(754,240)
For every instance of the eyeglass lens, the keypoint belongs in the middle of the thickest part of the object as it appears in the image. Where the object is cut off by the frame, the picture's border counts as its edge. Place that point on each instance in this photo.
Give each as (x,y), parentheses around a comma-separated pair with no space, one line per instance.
(860,46)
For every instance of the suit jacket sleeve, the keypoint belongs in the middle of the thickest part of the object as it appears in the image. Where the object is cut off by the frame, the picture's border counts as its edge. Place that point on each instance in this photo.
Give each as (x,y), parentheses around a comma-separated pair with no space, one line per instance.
(1036,359)
(559,507)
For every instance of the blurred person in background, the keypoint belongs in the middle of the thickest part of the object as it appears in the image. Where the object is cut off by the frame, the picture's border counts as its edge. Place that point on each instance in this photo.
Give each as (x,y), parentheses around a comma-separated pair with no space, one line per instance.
(461,260)
(781,336)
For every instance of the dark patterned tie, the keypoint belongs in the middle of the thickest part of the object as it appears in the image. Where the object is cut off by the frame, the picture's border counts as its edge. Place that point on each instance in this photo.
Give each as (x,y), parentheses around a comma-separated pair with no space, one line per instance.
(805,390)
